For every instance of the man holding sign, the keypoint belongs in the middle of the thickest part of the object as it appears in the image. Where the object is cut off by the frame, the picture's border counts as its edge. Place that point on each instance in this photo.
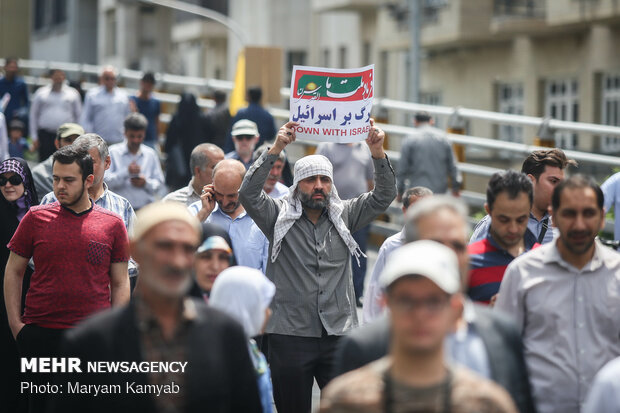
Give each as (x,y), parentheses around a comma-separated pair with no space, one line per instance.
(309,232)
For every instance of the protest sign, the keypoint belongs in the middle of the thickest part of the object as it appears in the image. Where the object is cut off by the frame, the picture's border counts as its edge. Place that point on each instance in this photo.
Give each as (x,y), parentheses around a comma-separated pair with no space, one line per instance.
(332,105)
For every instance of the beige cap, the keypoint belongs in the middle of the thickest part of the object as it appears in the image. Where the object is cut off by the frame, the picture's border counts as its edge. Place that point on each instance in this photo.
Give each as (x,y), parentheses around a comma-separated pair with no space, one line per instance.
(244,127)
(69,129)
(429,259)
(158,212)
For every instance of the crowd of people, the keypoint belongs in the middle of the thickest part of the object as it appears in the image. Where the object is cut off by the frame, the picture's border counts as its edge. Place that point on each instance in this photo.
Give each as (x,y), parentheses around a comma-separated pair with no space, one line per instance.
(254,274)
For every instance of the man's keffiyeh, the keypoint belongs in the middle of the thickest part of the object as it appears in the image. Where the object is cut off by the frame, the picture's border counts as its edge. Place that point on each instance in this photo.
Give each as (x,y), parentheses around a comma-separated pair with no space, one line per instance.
(291,209)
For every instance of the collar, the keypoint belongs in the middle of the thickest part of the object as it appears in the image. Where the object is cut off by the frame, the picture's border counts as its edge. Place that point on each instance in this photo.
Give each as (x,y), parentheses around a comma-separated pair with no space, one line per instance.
(219,211)
(528,241)
(542,219)
(190,188)
(126,149)
(79,214)
(554,256)
(103,194)
(146,318)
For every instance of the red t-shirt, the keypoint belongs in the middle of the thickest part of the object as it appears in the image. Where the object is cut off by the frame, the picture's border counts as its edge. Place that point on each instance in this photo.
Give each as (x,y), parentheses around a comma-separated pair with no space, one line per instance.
(72,256)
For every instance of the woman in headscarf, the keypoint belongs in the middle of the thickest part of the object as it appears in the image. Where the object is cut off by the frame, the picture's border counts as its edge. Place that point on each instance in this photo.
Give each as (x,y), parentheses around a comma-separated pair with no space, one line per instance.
(17,195)
(245,293)
(186,130)
(213,256)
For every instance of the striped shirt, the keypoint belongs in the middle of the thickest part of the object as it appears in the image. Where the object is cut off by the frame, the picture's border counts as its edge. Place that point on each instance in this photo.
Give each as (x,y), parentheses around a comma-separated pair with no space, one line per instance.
(488,263)
(115,203)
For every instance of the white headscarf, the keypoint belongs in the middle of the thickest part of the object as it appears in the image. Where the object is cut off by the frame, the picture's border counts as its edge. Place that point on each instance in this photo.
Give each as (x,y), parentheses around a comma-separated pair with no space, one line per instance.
(243,293)
(291,208)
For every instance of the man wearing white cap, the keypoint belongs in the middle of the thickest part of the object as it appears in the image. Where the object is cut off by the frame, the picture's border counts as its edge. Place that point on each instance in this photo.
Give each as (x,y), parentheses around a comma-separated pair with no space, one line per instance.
(245,137)
(310,244)
(422,286)
(162,325)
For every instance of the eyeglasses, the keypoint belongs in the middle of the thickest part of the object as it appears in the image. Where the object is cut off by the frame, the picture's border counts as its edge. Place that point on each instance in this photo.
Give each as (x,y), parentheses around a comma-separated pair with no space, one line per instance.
(246,137)
(432,305)
(13,179)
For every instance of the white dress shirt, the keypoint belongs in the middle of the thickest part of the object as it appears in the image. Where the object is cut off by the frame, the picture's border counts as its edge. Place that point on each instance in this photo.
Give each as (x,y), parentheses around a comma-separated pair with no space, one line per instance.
(50,109)
(119,179)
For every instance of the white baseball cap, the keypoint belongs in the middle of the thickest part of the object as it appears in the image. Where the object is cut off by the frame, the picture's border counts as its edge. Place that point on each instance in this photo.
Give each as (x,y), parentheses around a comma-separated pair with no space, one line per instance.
(429,259)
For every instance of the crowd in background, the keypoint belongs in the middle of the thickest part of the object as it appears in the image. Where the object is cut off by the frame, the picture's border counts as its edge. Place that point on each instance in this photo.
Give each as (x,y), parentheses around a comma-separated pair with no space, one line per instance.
(253,270)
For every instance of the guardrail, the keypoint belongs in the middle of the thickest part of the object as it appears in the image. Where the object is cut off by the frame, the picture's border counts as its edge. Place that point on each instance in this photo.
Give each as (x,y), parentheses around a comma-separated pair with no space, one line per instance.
(472,198)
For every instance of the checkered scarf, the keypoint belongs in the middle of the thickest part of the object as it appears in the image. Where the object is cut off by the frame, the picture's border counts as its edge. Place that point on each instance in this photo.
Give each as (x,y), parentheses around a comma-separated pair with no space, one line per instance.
(291,208)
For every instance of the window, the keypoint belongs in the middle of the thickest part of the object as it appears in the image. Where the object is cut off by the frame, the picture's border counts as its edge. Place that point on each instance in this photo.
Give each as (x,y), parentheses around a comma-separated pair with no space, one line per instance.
(59,14)
(39,14)
(610,111)
(366,53)
(562,102)
(325,58)
(342,57)
(110,36)
(510,100)
(294,57)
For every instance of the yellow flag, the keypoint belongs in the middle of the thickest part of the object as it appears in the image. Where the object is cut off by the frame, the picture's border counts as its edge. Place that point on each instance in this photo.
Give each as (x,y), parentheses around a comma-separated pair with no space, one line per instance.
(237,98)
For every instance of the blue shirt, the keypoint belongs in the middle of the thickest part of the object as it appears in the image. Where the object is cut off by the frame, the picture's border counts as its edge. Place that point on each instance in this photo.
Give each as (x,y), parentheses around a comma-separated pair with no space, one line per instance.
(115,203)
(104,112)
(19,96)
(250,245)
(150,108)
(611,190)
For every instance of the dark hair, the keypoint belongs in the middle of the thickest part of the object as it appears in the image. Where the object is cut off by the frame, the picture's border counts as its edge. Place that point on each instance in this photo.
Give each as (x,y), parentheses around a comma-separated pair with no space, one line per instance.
(54,70)
(255,93)
(70,154)
(135,121)
(148,77)
(219,96)
(575,182)
(422,117)
(536,162)
(418,191)
(11,59)
(511,182)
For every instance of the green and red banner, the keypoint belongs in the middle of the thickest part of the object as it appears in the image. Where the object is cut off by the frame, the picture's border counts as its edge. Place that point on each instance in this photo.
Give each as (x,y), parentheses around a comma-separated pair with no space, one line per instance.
(332,105)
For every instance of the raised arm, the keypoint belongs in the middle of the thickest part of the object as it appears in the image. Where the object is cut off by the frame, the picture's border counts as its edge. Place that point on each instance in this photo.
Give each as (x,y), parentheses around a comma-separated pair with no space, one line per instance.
(366,207)
(261,207)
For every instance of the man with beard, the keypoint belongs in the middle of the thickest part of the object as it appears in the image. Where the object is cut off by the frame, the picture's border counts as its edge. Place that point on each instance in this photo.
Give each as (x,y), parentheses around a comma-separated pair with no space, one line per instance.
(509,200)
(220,205)
(80,254)
(135,171)
(309,231)
(565,298)
(210,364)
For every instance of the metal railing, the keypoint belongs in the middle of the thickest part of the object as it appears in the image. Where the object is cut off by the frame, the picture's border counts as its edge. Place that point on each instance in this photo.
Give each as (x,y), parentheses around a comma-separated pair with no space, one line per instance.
(471,198)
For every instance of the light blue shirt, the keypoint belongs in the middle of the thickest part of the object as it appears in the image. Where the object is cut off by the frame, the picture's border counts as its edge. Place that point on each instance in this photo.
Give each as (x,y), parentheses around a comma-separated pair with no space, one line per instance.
(535,226)
(114,203)
(611,190)
(372,297)
(119,180)
(604,396)
(104,113)
(466,347)
(250,246)
(278,191)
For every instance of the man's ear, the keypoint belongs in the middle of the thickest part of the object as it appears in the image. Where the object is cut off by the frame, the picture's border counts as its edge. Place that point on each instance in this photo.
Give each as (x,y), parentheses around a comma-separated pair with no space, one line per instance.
(57,143)
(532,178)
(487,209)
(107,163)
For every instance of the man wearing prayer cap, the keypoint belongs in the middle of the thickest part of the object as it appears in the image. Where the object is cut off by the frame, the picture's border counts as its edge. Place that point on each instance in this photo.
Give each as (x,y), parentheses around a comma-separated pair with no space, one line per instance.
(162,326)
(310,245)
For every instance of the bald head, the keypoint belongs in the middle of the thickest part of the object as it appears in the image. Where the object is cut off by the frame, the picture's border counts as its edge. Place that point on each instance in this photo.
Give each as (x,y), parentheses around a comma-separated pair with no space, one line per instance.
(227,177)
(108,77)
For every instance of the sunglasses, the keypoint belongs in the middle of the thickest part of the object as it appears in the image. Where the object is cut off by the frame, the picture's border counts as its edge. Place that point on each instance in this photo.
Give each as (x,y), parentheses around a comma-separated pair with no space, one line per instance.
(14,180)
(246,137)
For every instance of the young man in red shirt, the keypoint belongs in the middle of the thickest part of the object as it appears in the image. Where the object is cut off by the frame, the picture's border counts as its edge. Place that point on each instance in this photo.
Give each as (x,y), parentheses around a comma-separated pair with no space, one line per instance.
(80,253)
